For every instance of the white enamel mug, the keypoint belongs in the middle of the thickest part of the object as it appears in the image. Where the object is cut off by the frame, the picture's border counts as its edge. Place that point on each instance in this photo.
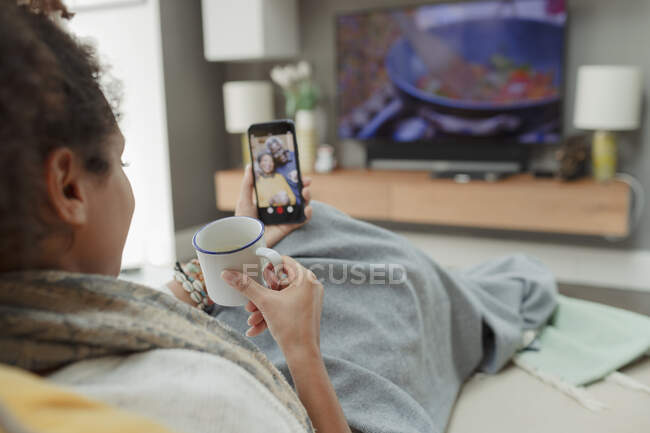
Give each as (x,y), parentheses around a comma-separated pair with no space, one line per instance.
(234,243)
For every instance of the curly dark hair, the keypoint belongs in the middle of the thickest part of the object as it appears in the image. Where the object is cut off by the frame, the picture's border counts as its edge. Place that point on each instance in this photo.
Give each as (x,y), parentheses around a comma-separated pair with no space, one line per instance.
(50,97)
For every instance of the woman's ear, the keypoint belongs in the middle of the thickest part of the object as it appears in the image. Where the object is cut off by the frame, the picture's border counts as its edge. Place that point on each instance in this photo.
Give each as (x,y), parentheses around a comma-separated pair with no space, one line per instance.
(64,179)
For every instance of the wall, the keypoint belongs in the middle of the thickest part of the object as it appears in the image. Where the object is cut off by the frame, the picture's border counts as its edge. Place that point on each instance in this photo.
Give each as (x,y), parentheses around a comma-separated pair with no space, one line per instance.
(600,31)
(197,138)
(606,32)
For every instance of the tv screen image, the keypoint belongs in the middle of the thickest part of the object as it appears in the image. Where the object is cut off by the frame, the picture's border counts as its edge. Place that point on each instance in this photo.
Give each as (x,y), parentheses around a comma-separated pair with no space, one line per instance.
(473,70)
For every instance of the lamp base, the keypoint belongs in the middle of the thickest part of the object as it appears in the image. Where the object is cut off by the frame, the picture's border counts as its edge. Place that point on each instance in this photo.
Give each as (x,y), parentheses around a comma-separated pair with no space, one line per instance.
(245,151)
(604,156)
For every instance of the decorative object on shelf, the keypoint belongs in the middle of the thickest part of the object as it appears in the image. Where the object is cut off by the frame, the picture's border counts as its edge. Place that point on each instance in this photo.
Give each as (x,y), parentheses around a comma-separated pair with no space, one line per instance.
(250,29)
(301,100)
(573,157)
(325,161)
(608,98)
(307,137)
(245,103)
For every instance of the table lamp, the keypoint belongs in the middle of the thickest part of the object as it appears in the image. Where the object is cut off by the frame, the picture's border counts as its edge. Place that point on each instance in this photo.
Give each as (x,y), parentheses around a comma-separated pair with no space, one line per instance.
(245,103)
(608,98)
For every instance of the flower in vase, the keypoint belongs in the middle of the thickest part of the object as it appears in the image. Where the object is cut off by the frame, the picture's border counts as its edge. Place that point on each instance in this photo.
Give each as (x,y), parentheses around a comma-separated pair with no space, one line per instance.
(303,70)
(299,90)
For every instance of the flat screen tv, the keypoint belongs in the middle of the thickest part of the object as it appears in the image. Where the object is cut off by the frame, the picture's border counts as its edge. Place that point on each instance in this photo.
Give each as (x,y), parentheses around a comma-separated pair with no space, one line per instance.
(467,72)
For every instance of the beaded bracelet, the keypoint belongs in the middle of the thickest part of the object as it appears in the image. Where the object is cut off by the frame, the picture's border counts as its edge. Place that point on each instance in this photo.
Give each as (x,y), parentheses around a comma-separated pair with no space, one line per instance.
(193,284)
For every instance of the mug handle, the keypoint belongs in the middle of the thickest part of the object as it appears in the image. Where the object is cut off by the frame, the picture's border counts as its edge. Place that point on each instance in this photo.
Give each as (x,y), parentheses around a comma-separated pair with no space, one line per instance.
(272,256)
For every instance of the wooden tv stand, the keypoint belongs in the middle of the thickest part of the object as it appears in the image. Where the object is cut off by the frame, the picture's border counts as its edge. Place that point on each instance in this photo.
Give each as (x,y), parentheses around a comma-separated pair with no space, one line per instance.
(521,203)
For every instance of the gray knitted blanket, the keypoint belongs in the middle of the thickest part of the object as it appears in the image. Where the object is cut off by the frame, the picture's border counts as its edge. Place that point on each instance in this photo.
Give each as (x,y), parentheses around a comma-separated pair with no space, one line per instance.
(400,334)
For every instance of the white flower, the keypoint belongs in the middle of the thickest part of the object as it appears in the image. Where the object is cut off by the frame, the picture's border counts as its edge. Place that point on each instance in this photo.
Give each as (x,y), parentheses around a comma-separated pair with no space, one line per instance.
(275,75)
(304,69)
(279,77)
(291,73)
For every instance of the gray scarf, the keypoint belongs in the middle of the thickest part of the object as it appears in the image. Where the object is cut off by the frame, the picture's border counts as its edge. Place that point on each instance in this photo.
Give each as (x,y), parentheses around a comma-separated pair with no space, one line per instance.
(49,319)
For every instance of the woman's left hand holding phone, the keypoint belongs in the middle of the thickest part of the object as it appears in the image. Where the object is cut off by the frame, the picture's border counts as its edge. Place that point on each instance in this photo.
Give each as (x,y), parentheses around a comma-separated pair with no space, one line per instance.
(246,206)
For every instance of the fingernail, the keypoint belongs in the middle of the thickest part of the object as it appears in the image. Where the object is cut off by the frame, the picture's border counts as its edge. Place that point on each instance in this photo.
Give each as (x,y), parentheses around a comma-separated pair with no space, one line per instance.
(230,277)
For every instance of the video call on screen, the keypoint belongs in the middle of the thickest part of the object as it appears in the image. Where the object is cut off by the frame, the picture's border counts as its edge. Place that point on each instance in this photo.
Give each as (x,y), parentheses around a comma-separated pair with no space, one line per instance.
(276,174)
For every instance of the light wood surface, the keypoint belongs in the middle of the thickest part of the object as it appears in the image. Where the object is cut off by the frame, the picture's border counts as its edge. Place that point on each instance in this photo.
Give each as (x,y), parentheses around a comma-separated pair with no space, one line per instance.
(520,203)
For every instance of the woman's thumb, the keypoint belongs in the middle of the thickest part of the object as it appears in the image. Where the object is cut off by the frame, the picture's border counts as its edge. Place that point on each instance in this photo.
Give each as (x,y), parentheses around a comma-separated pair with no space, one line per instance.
(246,285)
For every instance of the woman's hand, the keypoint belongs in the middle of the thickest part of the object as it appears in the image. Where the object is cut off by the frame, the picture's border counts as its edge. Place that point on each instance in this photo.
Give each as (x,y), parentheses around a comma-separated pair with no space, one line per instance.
(291,309)
(246,206)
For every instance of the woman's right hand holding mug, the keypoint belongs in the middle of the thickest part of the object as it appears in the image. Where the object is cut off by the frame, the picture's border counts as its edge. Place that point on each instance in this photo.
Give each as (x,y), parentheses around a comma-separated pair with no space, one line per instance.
(291,310)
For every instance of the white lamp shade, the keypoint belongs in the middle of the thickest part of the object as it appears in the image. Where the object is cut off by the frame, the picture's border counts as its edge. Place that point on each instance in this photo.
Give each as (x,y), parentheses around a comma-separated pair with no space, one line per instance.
(245,103)
(608,98)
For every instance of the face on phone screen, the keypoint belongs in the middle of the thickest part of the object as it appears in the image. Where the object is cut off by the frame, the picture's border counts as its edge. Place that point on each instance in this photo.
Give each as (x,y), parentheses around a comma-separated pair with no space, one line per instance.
(277,180)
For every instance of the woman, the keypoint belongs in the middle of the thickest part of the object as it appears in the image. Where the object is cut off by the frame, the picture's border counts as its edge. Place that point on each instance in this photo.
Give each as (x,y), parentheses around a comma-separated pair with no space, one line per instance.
(272,187)
(397,346)
(66,206)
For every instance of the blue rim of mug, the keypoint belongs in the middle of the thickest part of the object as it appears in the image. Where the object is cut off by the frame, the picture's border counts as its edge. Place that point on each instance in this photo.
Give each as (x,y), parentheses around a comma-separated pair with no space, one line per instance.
(198,248)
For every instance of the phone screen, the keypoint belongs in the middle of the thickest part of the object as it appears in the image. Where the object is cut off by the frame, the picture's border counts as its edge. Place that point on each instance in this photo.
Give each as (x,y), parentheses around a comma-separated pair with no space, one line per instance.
(278,184)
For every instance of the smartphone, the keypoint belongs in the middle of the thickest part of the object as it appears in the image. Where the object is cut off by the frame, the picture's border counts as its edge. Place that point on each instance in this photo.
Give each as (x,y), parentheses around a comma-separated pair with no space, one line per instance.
(276,170)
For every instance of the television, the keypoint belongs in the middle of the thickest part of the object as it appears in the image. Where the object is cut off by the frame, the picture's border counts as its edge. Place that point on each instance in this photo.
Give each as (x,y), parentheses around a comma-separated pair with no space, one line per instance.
(452,80)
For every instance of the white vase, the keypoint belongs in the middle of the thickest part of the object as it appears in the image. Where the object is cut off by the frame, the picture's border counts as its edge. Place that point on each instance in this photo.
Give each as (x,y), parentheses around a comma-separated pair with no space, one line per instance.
(307,138)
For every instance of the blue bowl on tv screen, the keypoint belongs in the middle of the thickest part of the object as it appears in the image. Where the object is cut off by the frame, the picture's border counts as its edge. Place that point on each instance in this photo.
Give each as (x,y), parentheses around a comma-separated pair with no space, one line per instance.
(537,44)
